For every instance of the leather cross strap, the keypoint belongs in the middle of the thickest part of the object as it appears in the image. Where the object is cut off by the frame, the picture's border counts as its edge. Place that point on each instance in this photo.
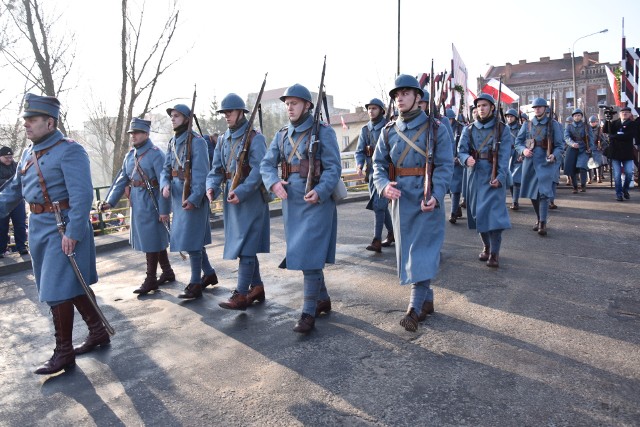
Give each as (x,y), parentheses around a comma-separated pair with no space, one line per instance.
(35,156)
(411,142)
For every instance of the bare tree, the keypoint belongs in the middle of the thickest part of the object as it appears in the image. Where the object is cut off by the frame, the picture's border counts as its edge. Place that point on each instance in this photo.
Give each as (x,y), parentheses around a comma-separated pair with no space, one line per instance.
(51,57)
(140,74)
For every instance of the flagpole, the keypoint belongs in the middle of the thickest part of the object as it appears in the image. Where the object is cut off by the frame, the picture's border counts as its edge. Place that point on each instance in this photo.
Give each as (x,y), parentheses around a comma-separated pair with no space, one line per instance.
(398,70)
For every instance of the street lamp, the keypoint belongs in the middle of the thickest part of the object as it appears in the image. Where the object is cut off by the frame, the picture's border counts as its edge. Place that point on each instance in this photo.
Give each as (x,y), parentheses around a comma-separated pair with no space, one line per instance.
(573,64)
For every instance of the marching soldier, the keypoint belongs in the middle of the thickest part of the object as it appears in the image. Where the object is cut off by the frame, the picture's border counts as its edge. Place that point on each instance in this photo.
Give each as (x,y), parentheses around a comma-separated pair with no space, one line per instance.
(366,146)
(190,230)
(311,219)
(139,178)
(246,209)
(579,140)
(455,187)
(538,169)
(56,169)
(418,225)
(515,163)
(486,210)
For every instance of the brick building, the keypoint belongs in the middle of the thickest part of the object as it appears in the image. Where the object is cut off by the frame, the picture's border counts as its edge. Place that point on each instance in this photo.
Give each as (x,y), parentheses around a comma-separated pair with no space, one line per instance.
(530,80)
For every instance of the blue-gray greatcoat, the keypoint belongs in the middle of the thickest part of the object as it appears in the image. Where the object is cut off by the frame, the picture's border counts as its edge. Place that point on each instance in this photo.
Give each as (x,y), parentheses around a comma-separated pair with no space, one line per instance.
(515,163)
(246,225)
(537,173)
(190,230)
(458,170)
(310,230)
(146,234)
(369,135)
(486,209)
(419,235)
(67,175)
(577,158)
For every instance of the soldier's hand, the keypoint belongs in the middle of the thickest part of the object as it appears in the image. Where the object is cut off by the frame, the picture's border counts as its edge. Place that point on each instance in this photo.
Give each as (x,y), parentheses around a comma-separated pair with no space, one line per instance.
(278,189)
(430,206)
(233,198)
(68,245)
(359,171)
(527,152)
(165,192)
(391,192)
(551,157)
(311,197)
(470,161)
(188,206)
(210,195)
(103,206)
(163,218)
(495,183)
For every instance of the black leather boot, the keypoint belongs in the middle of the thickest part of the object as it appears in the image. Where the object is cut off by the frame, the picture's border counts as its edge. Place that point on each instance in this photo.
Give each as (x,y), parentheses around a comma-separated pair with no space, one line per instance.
(63,355)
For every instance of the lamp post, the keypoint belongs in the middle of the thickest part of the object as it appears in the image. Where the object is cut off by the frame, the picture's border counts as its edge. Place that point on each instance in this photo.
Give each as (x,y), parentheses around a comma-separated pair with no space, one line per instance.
(573,64)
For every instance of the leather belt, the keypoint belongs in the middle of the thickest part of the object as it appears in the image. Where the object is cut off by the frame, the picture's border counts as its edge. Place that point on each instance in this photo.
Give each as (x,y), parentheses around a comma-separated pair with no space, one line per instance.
(484,156)
(228,175)
(153,182)
(542,144)
(410,171)
(294,168)
(177,173)
(37,208)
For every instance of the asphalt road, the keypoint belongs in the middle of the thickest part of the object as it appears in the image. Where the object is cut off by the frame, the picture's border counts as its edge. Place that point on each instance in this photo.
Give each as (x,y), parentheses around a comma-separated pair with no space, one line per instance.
(550,338)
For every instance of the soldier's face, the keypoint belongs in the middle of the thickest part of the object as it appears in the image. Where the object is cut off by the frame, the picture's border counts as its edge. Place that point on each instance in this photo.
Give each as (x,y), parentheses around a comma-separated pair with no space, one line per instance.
(374,111)
(510,118)
(577,118)
(232,116)
(406,99)
(484,108)
(38,126)
(594,124)
(138,137)
(539,111)
(177,119)
(296,107)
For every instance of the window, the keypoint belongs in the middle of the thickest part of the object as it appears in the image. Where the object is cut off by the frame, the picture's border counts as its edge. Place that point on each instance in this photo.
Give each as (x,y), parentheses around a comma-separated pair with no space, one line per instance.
(569,99)
(602,96)
(345,141)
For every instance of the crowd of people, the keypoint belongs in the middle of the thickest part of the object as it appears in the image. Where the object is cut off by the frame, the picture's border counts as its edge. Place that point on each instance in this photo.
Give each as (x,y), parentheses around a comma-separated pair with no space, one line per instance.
(410,158)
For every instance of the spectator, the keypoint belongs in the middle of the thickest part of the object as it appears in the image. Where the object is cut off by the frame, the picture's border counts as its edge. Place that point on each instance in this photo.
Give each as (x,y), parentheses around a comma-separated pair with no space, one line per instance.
(622,133)
(18,215)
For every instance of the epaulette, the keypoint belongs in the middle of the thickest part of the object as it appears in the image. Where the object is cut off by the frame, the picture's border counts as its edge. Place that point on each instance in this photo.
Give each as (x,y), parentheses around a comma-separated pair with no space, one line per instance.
(390,123)
(69,140)
(285,127)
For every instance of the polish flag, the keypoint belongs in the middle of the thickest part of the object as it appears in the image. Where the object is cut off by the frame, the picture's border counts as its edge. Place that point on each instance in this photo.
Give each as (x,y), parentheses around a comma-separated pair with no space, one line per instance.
(613,84)
(344,125)
(492,87)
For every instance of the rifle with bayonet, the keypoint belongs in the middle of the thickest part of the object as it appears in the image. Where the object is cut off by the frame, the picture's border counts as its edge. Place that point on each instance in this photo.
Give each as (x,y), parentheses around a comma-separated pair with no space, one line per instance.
(186,189)
(550,125)
(497,133)
(314,169)
(246,141)
(432,139)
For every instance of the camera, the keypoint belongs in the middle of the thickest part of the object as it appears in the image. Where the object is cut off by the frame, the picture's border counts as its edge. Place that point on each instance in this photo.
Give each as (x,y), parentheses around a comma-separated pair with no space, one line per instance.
(608,110)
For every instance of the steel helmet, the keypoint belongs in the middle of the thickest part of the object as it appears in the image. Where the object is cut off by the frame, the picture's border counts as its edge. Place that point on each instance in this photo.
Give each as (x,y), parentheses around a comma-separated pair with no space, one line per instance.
(406,81)
(486,97)
(376,102)
(450,113)
(297,91)
(577,111)
(180,108)
(539,102)
(511,112)
(232,102)
(593,119)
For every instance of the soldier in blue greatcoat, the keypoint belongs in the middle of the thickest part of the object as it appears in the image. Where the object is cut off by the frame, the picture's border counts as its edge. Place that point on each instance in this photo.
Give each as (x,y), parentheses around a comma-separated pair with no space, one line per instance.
(486,210)
(246,208)
(364,152)
(311,219)
(142,166)
(190,229)
(579,147)
(515,164)
(538,168)
(56,169)
(455,187)
(399,165)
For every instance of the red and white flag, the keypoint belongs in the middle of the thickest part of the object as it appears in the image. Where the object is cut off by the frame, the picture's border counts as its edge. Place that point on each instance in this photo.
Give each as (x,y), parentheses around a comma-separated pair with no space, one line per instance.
(613,84)
(344,125)
(508,96)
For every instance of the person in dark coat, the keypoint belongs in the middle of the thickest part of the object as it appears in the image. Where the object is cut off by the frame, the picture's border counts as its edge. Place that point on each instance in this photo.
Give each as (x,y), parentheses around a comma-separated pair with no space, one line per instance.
(63,176)
(622,134)
(18,215)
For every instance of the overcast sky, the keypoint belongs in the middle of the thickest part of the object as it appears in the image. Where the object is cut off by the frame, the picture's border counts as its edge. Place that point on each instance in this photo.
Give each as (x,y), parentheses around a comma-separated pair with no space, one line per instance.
(228,49)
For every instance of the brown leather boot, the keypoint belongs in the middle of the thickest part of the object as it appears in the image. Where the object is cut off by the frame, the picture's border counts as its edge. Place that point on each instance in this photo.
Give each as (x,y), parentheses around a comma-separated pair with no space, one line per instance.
(63,355)
(542,228)
(453,219)
(98,335)
(306,323)
(256,293)
(493,261)
(150,282)
(167,275)
(484,255)
(375,246)
(323,306)
(236,302)
(410,321)
(427,309)
(390,240)
(211,279)
(536,226)
(192,291)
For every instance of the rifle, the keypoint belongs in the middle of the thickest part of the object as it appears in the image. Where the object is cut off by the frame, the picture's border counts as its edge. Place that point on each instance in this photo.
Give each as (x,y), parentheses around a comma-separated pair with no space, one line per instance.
(432,139)
(389,113)
(497,132)
(315,135)
(74,264)
(550,126)
(246,141)
(186,189)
